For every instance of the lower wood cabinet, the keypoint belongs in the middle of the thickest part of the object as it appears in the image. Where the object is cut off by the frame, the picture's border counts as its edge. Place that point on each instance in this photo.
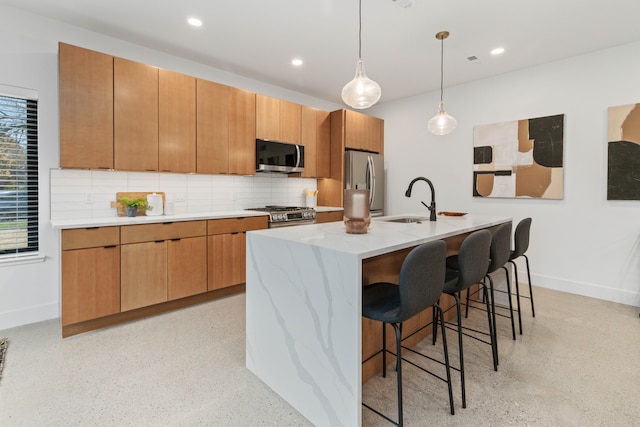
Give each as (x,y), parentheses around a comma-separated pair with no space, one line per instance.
(143,274)
(108,272)
(329,216)
(227,249)
(162,262)
(186,267)
(226,260)
(90,273)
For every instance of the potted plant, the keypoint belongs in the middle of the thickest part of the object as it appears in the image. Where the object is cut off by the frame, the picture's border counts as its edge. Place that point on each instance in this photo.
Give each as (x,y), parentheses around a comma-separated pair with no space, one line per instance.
(133,205)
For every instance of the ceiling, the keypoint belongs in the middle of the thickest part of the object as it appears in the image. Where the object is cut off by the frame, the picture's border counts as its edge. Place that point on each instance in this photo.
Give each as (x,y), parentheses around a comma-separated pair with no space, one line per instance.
(258,38)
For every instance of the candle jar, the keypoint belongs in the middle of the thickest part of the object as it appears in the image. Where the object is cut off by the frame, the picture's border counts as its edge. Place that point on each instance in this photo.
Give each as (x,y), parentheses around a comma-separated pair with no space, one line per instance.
(356,211)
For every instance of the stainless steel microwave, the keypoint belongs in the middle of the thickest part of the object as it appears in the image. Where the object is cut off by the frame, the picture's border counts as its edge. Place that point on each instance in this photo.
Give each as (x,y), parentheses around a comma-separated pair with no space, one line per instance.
(274,156)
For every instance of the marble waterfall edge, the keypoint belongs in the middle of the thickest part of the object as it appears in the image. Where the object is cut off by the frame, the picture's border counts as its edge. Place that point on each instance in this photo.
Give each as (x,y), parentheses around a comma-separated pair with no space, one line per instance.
(303,336)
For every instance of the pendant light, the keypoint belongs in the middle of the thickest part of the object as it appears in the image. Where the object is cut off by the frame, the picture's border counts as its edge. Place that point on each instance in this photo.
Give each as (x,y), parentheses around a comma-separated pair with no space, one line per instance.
(361,92)
(442,123)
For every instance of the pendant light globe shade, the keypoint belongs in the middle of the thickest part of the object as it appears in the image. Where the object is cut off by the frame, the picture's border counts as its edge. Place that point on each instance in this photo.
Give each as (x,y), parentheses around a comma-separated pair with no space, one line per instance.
(442,123)
(361,92)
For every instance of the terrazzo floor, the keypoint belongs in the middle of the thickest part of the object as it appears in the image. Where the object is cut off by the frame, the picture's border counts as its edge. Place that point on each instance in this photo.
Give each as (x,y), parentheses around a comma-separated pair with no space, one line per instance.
(574,365)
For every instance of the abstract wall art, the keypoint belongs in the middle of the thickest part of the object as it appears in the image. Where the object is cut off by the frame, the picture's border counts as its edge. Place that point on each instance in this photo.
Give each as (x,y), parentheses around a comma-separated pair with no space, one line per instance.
(519,159)
(623,148)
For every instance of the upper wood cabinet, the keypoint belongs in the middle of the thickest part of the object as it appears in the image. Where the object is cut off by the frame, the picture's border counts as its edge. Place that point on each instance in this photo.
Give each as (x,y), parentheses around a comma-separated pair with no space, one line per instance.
(86,108)
(177,122)
(135,118)
(226,129)
(363,132)
(316,138)
(278,120)
(212,117)
(242,132)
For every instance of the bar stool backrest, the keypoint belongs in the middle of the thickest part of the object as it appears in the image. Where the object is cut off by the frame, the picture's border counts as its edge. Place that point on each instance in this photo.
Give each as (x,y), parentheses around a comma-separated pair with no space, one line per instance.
(500,247)
(422,278)
(521,238)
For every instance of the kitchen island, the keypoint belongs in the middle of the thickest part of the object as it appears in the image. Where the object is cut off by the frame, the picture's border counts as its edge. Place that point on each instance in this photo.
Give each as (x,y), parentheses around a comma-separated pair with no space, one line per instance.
(304,330)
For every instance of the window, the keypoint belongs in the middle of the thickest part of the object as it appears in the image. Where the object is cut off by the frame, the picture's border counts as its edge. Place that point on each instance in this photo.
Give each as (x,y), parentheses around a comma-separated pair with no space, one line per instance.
(18,176)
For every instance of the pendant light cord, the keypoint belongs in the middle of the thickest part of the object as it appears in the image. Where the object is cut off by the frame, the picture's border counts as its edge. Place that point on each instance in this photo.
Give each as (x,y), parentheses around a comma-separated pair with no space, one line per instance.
(441,68)
(360,29)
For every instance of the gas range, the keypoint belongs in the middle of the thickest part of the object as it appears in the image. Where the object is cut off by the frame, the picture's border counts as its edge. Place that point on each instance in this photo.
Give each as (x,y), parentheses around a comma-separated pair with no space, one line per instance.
(283,216)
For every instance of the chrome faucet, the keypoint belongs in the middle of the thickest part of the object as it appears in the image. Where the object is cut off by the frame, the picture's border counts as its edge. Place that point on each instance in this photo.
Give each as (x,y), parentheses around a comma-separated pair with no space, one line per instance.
(432,206)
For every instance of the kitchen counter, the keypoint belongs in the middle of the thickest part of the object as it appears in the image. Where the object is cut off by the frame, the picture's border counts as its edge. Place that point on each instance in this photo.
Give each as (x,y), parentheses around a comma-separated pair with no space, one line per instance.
(60,224)
(143,219)
(303,304)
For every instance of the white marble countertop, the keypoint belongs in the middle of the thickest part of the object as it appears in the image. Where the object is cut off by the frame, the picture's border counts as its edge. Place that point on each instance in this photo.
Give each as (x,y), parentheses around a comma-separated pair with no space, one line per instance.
(60,224)
(382,236)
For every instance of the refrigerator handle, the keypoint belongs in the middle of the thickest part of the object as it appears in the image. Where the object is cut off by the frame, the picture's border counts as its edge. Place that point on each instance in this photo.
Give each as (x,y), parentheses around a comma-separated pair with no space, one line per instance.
(371,177)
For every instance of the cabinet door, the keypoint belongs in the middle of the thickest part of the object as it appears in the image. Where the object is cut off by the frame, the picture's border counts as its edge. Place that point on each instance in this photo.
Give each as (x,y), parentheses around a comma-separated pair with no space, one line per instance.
(187,267)
(316,138)
(177,122)
(135,116)
(290,122)
(267,117)
(363,132)
(143,277)
(329,216)
(226,260)
(242,132)
(323,144)
(309,140)
(212,127)
(86,108)
(90,283)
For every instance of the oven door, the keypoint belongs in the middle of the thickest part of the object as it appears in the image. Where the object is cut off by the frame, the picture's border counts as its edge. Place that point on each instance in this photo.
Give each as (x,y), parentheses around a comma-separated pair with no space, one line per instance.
(291,223)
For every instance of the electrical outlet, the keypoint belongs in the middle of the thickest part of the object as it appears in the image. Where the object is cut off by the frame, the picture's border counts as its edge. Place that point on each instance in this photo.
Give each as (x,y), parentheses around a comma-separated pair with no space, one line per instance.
(88,198)
(180,198)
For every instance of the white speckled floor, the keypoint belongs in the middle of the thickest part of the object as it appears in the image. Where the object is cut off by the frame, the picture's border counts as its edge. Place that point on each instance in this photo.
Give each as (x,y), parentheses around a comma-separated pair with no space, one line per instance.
(575,365)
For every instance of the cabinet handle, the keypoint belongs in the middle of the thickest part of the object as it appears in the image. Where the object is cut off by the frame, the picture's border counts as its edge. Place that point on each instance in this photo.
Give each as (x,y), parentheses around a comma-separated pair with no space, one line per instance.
(159,241)
(110,246)
(92,228)
(167,223)
(175,240)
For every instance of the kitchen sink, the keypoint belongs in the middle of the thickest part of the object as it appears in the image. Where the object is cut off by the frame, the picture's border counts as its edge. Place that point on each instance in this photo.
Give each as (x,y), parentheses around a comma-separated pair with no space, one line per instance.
(409,219)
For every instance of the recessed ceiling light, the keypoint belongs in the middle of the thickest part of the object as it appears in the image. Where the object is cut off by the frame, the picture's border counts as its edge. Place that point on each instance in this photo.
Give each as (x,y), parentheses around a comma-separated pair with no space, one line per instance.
(194,22)
(296,61)
(497,51)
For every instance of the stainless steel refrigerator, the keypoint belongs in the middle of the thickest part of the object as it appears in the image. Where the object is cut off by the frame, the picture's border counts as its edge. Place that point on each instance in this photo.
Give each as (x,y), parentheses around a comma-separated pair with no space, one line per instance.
(365,171)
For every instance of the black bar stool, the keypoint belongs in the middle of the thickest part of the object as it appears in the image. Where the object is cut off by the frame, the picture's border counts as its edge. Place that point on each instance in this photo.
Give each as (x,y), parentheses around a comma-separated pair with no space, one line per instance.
(521,244)
(420,286)
(473,263)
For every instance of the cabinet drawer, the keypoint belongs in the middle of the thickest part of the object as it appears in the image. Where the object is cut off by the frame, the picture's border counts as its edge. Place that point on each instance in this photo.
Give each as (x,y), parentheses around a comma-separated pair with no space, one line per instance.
(79,238)
(162,231)
(329,216)
(237,225)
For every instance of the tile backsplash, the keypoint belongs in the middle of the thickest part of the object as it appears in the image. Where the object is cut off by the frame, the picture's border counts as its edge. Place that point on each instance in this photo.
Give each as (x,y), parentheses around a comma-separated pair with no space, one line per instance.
(78,194)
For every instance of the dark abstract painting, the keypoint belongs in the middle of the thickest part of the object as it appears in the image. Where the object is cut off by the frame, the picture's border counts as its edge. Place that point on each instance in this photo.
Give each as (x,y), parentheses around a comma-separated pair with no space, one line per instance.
(623,148)
(521,158)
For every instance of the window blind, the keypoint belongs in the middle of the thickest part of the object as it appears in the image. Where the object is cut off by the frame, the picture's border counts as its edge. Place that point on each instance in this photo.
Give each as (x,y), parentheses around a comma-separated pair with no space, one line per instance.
(18,176)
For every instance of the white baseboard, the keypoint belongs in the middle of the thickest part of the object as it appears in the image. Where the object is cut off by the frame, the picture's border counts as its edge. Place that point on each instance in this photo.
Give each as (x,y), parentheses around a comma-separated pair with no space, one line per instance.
(582,288)
(29,315)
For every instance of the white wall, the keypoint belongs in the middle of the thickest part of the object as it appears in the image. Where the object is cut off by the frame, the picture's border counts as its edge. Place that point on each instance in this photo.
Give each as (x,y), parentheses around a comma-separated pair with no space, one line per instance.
(582,244)
(30,292)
